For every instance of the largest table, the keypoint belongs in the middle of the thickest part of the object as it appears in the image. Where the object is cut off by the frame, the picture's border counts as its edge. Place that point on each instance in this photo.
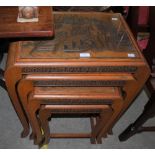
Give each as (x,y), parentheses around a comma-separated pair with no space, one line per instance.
(84,44)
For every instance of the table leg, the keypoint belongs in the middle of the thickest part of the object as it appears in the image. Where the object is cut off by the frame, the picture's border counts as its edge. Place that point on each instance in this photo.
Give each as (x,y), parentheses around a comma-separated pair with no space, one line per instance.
(137,126)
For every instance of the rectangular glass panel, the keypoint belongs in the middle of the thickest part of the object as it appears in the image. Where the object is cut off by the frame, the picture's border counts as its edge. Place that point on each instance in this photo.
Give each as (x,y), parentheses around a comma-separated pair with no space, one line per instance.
(83,35)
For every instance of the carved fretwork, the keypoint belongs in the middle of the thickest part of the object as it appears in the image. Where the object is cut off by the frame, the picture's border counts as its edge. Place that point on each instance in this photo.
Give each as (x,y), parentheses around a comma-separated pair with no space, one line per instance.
(77,101)
(76,111)
(79,83)
(81,69)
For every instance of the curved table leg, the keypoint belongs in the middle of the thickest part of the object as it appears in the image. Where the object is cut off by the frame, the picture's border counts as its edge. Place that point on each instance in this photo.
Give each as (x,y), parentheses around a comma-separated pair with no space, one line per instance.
(137,126)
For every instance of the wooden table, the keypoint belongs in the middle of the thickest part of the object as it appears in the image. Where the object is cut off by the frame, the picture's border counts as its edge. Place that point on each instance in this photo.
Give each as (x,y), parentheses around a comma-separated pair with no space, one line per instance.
(85,44)
(10,28)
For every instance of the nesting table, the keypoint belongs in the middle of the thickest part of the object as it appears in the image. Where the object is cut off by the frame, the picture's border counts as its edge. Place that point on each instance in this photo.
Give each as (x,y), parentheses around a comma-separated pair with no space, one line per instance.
(88,50)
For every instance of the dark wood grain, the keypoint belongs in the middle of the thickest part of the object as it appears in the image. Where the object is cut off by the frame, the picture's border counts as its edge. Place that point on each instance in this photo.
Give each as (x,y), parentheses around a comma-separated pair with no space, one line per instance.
(10,28)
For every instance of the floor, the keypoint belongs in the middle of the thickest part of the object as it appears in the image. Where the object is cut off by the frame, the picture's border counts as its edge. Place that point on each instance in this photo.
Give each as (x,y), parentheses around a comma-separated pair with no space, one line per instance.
(10,129)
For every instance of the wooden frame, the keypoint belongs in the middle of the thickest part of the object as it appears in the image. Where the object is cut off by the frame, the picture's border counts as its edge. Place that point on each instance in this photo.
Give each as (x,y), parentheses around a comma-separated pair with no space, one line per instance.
(27,84)
(47,99)
(16,74)
(17,67)
(46,110)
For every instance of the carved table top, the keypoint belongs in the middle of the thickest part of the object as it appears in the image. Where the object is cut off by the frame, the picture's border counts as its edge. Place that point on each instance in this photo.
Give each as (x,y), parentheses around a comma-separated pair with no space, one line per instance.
(84,35)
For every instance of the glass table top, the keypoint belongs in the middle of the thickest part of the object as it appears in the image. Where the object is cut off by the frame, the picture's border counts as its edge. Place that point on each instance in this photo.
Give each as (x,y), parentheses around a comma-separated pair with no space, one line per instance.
(83,35)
